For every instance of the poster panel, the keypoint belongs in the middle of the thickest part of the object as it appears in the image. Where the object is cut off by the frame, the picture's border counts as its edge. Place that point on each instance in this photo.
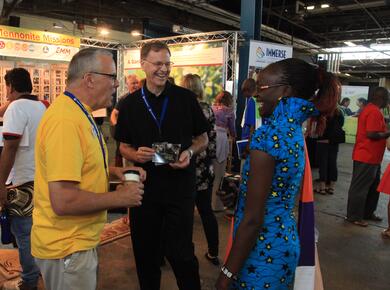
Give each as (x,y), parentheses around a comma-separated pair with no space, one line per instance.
(204,59)
(22,34)
(23,49)
(263,53)
(350,123)
(354,93)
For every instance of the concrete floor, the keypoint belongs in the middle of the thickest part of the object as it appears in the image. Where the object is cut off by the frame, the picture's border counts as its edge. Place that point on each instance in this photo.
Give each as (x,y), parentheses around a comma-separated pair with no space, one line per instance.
(351,257)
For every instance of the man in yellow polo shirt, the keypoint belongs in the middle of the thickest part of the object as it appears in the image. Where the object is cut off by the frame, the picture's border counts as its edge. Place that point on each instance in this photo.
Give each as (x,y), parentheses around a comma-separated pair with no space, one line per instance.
(71,182)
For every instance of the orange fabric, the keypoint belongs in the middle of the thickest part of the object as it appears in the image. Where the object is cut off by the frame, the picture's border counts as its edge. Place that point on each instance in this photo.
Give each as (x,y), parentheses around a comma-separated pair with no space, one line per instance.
(230,240)
(307,185)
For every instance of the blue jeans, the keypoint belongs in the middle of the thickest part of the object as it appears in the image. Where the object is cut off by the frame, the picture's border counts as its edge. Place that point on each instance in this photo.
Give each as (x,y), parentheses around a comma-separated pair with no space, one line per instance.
(21,229)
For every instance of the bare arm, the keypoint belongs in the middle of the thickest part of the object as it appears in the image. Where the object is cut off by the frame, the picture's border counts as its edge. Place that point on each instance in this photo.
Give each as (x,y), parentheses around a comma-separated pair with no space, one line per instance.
(3,108)
(7,161)
(140,155)
(378,135)
(199,144)
(114,116)
(68,199)
(259,184)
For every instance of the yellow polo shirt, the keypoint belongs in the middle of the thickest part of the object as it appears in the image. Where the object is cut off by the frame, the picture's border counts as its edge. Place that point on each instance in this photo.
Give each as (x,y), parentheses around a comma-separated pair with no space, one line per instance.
(66,149)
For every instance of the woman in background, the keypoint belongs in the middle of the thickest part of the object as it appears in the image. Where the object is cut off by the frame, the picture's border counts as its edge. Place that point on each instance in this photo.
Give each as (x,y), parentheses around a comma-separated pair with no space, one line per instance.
(225,125)
(327,151)
(205,172)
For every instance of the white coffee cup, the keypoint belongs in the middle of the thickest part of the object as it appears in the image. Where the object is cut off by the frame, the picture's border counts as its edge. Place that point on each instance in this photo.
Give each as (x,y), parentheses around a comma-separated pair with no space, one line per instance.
(131,176)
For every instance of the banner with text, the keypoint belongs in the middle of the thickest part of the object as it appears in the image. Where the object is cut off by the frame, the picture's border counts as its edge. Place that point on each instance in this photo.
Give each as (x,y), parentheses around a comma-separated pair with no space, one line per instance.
(182,55)
(24,49)
(23,34)
(204,59)
(263,53)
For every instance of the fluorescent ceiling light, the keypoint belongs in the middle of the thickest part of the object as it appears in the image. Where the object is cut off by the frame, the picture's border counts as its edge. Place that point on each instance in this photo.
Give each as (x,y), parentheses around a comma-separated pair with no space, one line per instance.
(57,25)
(359,48)
(325,6)
(349,43)
(136,33)
(382,46)
(104,31)
(311,7)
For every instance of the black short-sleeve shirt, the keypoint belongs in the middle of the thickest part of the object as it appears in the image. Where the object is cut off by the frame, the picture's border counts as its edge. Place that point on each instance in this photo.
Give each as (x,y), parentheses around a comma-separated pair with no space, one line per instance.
(119,103)
(183,120)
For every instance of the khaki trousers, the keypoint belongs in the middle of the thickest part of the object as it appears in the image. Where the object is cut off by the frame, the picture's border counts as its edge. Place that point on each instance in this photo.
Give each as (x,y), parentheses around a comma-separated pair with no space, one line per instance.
(77,271)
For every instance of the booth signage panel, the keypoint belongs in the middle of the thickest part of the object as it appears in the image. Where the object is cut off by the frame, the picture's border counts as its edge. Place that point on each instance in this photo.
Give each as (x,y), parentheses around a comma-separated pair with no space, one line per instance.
(263,53)
(187,55)
(354,93)
(21,34)
(24,49)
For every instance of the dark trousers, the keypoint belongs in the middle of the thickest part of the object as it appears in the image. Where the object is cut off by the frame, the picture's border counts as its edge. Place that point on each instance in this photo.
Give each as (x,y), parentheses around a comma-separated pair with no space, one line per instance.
(210,224)
(171,223)
(362,195)
(327,161)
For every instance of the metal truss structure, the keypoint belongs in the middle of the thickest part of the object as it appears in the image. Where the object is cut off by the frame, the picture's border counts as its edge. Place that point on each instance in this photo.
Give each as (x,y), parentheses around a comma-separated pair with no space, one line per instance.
(230,38)
(90,42)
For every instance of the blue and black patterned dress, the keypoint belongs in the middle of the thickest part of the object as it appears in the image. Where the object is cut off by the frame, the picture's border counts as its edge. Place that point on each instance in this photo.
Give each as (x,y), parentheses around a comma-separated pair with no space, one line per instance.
(272,262)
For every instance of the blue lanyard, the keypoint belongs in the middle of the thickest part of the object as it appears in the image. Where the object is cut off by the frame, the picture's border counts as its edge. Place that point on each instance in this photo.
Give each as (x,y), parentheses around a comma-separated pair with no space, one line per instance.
(163,112)
(90,119)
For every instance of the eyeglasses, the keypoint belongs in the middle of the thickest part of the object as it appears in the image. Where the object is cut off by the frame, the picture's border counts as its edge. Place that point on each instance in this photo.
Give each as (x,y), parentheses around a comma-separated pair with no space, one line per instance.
(160,64)
(262,88)
(112,76)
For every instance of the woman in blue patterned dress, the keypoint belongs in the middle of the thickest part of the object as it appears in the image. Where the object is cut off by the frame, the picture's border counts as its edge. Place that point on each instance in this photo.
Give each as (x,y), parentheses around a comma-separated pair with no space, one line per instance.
(265,248)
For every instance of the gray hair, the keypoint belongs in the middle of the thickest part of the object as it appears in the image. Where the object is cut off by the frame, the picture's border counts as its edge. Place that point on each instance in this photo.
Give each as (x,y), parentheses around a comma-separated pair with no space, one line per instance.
(86,60)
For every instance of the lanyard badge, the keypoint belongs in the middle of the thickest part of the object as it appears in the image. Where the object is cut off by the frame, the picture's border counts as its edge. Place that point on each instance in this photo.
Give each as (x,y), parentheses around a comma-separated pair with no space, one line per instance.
(150,110)
(95,130)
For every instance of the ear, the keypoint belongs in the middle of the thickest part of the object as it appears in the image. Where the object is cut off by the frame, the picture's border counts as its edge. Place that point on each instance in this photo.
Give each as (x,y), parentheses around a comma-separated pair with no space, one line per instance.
(288,91)
(89,80)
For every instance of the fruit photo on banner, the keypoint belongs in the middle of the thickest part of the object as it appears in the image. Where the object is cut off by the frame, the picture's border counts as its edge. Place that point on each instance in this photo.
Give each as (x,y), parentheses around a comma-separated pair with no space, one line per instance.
(203,59)
(211,77)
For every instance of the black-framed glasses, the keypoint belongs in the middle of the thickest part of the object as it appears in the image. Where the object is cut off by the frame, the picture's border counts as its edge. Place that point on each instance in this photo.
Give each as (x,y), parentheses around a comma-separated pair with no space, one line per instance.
(262,88)
(160,64)
(112,76)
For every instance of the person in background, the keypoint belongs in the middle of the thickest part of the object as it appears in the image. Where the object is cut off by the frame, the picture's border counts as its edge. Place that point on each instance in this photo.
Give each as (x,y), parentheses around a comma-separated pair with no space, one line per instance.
(265,249)
(163,112)
(133,84)
(71,195)
(384,186)
(248,122)
(327,151)
(345,102)
(361,103)
(21,120)
(367,157)
(205,172)
(225,126)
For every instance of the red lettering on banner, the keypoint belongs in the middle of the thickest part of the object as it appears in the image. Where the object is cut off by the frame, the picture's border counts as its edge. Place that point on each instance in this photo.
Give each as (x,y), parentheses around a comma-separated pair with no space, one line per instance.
(61,50)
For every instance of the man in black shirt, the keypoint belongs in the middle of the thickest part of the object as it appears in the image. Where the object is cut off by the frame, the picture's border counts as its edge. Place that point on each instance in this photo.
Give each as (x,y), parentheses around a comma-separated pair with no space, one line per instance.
(163,112)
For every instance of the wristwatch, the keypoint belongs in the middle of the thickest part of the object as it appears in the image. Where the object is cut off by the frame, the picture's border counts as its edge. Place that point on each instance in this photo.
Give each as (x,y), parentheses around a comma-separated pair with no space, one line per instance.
(191,152)
(228,274)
